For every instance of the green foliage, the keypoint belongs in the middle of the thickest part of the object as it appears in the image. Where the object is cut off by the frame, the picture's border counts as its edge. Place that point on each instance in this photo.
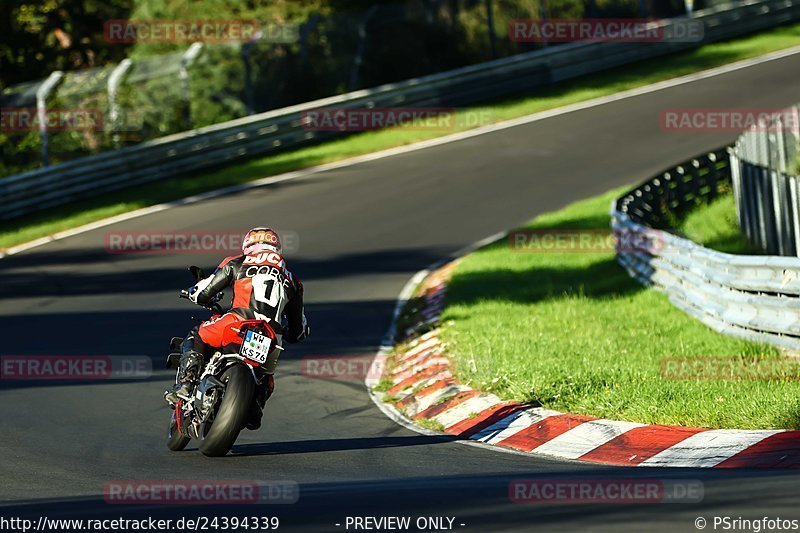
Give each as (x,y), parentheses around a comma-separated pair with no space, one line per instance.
(795,170)
(402,39)
(46,35)
(429,424)
(715,226)
(383,385)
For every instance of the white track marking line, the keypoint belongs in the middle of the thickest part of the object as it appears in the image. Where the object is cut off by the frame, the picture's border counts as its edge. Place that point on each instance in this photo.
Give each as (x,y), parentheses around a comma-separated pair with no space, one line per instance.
(667,84)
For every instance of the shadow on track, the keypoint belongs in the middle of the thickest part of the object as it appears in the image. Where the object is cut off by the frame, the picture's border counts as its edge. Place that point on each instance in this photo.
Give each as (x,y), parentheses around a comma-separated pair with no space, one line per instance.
(341,329)
(333,445)
(22,276)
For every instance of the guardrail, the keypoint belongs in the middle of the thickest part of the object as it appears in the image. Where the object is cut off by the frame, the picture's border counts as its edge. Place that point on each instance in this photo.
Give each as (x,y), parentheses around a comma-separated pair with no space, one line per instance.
(753,297)
(204,148)
(765,183)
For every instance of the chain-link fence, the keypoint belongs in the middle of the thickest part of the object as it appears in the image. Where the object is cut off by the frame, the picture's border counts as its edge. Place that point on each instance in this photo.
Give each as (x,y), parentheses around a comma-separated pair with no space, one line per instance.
(154,93)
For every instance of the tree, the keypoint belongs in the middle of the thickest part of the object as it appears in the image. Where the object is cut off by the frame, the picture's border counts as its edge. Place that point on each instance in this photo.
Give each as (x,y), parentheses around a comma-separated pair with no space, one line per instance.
(37,37)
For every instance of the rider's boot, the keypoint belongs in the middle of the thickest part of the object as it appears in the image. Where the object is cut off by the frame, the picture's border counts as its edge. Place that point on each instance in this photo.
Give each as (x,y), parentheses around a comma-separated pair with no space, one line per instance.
(263,393)
(188,372)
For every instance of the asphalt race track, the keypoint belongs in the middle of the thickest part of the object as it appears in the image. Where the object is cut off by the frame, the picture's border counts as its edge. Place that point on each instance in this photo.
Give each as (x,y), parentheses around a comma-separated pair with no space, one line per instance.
(364,231)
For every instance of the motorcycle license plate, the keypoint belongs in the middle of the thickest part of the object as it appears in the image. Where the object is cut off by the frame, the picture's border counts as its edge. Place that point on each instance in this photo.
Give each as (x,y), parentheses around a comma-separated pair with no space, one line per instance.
(256,346)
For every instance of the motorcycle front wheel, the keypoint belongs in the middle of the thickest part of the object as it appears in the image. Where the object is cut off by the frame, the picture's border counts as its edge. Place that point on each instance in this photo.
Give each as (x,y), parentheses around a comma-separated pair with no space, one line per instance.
(177,441)
(221,433)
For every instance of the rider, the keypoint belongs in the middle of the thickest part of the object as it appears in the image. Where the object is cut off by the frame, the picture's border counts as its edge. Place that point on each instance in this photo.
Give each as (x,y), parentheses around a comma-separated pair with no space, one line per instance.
(263,288)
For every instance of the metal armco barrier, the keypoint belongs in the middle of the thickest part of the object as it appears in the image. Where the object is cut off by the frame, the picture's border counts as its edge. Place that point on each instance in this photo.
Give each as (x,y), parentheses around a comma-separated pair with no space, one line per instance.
(765,183)
(753,297)
(223,143)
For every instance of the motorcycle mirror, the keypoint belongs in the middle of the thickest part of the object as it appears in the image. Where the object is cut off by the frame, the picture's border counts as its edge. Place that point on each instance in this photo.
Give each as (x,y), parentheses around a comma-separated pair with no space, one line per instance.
(197,272)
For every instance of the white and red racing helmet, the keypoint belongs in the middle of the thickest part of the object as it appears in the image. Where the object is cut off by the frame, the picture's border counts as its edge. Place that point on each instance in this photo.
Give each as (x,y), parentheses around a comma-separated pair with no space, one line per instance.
(261,239)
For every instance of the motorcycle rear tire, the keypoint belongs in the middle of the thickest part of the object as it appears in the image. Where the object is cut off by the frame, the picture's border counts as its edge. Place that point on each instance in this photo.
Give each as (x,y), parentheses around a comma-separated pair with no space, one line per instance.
(232,414)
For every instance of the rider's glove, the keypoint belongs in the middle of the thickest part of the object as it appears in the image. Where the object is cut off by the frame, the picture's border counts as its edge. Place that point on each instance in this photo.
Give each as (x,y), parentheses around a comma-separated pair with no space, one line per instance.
(195,291)
(306,330)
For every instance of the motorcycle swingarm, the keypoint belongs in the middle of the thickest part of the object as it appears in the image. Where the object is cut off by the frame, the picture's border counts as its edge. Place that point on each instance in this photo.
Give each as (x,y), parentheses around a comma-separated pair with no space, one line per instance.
(207,384)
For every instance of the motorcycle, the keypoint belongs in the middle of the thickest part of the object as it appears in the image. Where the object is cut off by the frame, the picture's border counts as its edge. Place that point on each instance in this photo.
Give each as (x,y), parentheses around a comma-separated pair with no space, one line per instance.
(232,384)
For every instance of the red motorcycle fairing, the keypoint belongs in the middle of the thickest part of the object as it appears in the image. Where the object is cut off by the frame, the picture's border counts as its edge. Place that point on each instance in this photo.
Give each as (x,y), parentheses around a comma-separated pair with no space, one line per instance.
(234,333)
(226,331)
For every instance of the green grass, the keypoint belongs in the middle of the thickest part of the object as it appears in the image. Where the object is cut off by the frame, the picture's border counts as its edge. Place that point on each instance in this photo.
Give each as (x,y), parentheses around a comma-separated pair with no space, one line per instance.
(573,332)
(58,219)
(715,226)
(383,385)
(432,425)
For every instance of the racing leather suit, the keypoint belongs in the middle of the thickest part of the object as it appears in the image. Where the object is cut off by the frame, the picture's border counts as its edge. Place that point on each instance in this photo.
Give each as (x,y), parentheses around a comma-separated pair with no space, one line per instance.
(263,288)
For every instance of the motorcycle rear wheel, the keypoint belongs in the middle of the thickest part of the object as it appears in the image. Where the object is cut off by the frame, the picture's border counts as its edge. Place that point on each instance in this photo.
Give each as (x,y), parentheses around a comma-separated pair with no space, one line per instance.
(219,438)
